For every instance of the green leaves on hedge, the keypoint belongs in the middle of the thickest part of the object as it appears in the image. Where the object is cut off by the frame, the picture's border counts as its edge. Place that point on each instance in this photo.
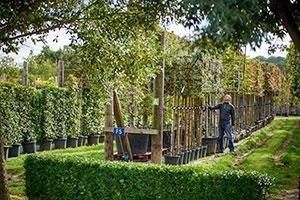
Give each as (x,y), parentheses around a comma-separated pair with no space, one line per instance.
(53,177)
(48,113)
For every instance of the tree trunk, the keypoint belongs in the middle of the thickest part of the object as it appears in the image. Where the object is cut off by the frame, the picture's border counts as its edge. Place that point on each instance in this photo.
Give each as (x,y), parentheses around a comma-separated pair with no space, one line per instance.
(4,194)
(288,21)
(158,110)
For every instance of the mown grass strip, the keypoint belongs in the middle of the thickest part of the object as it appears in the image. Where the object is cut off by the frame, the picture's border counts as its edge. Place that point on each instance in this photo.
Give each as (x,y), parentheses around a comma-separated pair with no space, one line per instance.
(226,162)
(261,159)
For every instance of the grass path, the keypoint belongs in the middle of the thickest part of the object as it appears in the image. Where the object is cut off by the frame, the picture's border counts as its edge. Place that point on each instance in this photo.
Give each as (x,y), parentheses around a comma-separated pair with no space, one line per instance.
(281,138)
(262,159)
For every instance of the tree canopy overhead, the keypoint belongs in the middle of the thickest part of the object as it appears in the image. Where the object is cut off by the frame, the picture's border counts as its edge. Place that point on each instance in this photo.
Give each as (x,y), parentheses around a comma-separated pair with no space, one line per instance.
(237,23)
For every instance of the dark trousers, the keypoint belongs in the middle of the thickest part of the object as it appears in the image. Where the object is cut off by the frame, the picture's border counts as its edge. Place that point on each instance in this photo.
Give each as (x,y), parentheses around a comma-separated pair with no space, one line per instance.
(225,128)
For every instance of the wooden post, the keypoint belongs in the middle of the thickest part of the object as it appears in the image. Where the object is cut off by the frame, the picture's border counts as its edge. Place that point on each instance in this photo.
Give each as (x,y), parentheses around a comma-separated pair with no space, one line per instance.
(124,141)
(213,117)
(25,74)
(173,123)
(197,121)
(186,132)
(158,110)
(190,122)
(4,194)
(201,124)
(178,150)
(109,138)
(60,73)
(209,116)
(206,116)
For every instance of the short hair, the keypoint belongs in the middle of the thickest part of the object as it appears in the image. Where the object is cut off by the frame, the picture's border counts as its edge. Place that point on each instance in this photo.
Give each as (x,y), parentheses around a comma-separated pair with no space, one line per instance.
(227,95)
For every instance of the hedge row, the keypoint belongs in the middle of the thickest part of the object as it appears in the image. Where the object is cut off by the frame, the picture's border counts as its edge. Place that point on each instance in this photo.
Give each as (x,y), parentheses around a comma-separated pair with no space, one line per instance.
(53,177)
(47,113)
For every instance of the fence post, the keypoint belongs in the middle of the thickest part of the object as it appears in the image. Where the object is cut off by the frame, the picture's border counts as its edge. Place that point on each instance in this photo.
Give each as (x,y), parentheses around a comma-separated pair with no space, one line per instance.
(60,73)
(25,74)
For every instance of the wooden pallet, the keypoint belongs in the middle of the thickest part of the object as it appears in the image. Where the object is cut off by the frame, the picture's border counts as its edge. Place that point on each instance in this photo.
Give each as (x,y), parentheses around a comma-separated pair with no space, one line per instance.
(143,157)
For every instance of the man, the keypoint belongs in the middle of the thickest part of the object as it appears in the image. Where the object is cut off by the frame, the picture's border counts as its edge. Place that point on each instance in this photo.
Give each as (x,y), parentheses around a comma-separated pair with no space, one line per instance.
(226,121)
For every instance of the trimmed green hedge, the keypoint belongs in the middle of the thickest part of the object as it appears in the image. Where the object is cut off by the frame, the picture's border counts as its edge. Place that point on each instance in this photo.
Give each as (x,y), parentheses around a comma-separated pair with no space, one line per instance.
(48,113)
(54,177)
(16,106)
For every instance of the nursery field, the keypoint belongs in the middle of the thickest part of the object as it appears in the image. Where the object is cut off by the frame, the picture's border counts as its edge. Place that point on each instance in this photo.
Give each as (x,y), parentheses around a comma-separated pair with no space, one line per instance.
(274,150)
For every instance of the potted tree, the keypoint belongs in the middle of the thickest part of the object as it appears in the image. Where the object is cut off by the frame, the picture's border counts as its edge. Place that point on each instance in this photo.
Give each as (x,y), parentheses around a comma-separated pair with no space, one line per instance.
(25,99)
(44,126)
(10,119)
(91,114)
(73,112)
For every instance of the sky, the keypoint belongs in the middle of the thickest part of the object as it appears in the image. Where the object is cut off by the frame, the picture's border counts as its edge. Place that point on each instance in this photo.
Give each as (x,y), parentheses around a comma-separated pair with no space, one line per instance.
(63,39)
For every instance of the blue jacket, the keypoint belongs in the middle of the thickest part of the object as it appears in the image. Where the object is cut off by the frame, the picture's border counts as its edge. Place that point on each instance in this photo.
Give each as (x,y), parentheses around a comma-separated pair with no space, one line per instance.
(226,112)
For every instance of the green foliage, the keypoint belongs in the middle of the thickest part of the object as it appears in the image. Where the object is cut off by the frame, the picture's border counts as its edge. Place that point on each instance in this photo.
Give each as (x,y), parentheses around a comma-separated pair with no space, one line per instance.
(293,58)
(92,111)
(16,103)
(29,18)
(231,23)
(49,112)
(9,70)
(69,177)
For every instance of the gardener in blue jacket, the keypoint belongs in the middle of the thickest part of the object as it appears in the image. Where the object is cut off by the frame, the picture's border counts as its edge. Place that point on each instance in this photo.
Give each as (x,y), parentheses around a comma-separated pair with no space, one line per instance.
(226,121)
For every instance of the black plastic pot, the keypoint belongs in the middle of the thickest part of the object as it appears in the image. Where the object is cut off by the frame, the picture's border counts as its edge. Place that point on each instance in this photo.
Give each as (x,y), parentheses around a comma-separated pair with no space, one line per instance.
(6,151)
(211,143)
(93,139)
(60,143)
(189,156)
(180,162)
(199,152)
(46,145)
(171,160)
(185,158)
(72,142)
(14,150)
(80,140)
(101,139)
(29,147)
(85,140)
(196,154)
(192,154)
(204,150)
(138,143)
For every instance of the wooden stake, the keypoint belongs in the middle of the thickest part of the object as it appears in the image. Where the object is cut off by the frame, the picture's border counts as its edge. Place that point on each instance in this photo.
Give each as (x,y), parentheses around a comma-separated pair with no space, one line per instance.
(201,125)
(197,121)
(61,73)
(178,150)
(173,122)
(191,116)
(25,74)
(209,116)
(124,141)
(158,110)
(186,124)
(109,138)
